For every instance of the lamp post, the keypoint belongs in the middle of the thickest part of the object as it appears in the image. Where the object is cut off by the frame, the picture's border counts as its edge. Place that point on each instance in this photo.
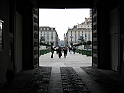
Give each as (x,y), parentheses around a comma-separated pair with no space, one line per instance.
(82,39)
(86,44)
(71,40)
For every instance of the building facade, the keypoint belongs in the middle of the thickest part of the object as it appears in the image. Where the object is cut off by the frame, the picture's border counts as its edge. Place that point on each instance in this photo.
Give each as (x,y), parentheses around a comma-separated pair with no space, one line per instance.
(48,35)
(61,43)
(83,30)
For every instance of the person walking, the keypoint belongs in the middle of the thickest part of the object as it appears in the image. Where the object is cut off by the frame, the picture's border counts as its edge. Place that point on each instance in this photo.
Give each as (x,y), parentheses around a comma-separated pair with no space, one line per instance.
(70,48)
(74,48)
(59,52)
(52,50)
(65,51)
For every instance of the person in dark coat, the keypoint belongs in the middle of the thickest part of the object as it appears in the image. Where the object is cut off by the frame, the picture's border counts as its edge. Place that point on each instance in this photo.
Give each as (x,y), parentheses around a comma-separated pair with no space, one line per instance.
(65,51)
(74,48)
(52,50)
(59,52)
(70,50)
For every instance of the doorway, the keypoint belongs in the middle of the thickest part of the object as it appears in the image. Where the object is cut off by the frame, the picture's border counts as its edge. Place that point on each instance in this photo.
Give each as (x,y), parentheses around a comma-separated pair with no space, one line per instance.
(78,33)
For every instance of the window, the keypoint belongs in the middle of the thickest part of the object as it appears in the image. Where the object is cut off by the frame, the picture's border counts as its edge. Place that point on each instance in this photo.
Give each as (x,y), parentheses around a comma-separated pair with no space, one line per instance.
(51,35)
(47,28)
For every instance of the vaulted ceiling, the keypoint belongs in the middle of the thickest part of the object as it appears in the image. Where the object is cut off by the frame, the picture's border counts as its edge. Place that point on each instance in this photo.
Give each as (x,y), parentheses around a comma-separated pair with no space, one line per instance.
(65,3)
(62,4)
(55,4)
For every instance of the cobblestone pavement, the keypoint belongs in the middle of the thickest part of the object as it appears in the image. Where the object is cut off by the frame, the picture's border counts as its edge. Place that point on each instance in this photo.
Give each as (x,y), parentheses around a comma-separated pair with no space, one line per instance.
(112,86)
(73,74)
(39,81)
(19,80)
(71,82)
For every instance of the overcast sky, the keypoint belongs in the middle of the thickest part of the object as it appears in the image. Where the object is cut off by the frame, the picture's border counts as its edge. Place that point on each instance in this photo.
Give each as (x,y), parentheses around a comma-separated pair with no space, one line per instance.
(61,19)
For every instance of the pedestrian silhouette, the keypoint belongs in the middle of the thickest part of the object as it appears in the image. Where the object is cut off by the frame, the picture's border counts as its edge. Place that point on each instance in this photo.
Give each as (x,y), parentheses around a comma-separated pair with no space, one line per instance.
(74,48)
(59,52)
(52,51)
(65,51)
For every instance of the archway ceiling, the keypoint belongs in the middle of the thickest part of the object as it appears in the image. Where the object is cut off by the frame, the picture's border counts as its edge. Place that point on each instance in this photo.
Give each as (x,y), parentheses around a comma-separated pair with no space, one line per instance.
(57,4)
(65,3)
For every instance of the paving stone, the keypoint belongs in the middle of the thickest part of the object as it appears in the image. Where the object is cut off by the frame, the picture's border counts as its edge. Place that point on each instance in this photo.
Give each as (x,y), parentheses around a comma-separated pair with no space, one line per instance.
(110,85)
(71,82)
(39,81)
(55,84)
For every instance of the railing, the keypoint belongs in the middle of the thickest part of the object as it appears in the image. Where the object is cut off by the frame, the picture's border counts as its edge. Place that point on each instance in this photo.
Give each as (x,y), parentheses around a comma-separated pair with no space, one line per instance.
(84,52)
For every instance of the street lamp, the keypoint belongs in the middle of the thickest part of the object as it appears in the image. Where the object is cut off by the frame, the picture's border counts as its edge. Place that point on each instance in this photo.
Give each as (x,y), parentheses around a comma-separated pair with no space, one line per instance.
(86,45)
(71,40)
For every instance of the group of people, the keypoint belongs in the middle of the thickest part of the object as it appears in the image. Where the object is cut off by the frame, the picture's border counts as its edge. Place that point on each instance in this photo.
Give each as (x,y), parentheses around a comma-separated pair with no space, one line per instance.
(72,49)
(64,49)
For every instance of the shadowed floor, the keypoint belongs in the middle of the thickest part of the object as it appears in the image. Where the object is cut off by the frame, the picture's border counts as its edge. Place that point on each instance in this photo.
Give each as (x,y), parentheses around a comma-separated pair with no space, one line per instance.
(73,74)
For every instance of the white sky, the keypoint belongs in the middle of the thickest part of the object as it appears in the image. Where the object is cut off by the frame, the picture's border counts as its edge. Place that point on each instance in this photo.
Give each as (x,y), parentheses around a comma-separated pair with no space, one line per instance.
(61,19)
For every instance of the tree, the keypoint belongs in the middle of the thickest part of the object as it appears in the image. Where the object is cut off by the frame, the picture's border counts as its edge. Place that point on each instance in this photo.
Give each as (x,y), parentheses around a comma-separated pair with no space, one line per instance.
(42,38)
(43,43)
(84,43)
(89,42)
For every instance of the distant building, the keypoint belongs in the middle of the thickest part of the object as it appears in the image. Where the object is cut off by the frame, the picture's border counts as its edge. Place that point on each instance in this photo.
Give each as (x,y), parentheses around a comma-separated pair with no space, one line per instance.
(48,35)
(65,40)
(61,43)
(83,30)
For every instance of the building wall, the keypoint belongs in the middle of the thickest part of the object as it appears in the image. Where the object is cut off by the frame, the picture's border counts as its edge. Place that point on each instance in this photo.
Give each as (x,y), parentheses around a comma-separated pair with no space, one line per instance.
(84,29)
(18,43)
(121,38)
(113,28)
(49,34)
(4,54)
